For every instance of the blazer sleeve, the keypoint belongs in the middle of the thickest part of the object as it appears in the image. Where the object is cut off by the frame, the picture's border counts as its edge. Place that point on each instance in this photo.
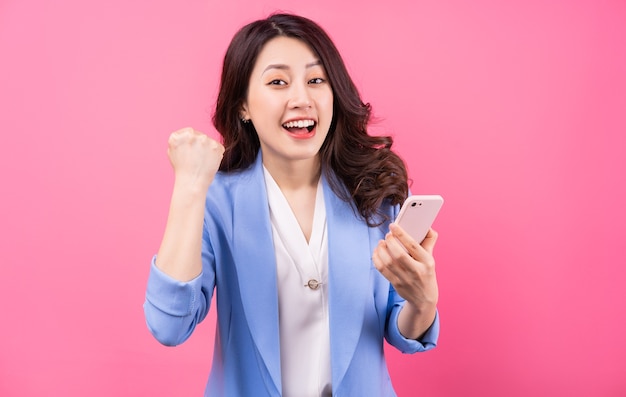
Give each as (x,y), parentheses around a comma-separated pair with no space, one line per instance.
(392,332)
(173,308)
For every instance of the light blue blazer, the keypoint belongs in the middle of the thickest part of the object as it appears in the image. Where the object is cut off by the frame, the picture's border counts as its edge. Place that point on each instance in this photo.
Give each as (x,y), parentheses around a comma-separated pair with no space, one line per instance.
(239,265)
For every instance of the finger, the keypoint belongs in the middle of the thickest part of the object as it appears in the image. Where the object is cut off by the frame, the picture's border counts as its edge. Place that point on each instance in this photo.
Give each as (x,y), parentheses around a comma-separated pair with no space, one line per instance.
(404,237)
(402,263)
(395,247)
(178,136)
(430,240)
(383,261)
(409,244)
(380,256)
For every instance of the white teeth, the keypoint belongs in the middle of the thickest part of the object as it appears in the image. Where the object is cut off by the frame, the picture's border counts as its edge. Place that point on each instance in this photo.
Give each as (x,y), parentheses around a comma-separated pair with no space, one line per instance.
(299,124)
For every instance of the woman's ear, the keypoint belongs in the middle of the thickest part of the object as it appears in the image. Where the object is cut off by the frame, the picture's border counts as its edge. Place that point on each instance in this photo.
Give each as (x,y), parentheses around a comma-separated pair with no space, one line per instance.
(244,115)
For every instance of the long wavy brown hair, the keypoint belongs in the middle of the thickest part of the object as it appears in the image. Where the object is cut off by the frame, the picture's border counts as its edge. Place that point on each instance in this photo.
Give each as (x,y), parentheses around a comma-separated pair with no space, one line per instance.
(361,168)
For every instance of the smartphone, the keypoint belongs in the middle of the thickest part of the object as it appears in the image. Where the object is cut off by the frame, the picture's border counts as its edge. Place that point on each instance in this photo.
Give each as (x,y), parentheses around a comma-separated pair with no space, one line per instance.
(417,214)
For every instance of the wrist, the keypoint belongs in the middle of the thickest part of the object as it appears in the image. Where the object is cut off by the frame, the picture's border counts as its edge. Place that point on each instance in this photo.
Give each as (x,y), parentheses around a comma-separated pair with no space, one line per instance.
(421,309)
(191,185)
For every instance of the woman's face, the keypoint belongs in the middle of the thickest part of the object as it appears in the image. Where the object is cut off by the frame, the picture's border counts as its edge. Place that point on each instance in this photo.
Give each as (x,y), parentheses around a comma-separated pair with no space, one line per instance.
(289,102)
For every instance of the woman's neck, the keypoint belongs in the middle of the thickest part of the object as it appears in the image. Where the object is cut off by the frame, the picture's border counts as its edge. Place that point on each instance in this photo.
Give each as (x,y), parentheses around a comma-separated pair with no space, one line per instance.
(295,175)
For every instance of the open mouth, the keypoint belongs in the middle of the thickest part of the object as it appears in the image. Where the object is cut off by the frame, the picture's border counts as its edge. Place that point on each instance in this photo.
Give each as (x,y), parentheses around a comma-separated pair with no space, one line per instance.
(299,126)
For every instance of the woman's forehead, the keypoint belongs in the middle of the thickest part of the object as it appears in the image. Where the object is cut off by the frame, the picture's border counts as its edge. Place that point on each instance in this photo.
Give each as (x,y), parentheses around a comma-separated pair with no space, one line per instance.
(286,52)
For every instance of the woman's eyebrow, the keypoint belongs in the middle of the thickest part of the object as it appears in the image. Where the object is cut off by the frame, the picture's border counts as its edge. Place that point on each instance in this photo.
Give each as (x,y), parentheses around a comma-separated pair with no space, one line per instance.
(281,66)
(317,62)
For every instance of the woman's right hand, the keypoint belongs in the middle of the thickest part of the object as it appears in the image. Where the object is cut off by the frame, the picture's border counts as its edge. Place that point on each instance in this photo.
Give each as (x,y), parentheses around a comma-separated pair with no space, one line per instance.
(195,157)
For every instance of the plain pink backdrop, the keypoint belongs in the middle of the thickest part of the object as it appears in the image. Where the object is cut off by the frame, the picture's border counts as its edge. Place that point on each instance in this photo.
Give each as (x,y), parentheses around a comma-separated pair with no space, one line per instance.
(514,111)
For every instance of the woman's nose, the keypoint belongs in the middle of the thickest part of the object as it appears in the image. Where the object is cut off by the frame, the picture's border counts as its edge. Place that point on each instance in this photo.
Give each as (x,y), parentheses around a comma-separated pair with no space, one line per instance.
(299,97)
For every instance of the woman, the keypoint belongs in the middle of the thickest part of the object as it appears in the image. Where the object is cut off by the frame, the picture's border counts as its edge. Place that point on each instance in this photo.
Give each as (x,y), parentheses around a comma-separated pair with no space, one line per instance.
(289,223)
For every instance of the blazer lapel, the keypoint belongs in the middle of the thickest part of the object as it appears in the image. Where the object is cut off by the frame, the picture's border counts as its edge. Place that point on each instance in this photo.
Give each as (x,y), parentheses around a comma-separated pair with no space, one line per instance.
(349,262)
(253,249)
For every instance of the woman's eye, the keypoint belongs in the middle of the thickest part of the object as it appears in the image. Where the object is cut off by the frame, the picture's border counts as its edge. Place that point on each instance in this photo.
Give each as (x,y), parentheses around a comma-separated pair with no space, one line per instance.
(277,82)
(317,80)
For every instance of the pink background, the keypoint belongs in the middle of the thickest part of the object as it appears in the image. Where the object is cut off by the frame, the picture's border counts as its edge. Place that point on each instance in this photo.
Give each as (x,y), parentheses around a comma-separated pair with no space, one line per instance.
(514,111)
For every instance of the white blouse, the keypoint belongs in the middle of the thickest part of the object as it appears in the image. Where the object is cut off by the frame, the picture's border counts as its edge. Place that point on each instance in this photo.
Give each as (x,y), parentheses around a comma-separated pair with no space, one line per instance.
(302,301)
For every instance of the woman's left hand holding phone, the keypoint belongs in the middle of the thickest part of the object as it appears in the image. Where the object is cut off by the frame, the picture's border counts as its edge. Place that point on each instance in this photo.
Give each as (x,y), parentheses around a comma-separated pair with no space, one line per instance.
(411,271)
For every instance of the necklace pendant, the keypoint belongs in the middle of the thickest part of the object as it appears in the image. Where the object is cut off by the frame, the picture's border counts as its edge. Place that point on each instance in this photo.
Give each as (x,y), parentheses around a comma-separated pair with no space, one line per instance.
(313,284)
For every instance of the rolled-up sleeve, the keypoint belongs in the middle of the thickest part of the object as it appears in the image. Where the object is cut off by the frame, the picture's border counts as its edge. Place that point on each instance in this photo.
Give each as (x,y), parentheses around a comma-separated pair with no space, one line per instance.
(173,308)
(426,342)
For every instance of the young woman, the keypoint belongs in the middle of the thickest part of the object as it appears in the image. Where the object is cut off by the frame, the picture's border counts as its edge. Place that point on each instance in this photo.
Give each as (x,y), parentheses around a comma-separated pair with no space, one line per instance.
(288,222)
